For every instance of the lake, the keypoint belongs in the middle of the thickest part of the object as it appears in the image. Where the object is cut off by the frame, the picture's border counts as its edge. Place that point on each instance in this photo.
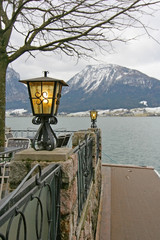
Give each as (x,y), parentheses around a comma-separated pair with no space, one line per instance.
(125,140)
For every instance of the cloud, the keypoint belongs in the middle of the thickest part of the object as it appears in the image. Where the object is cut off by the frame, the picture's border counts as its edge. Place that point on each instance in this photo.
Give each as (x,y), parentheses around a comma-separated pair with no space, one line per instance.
(142,54)
(61,68)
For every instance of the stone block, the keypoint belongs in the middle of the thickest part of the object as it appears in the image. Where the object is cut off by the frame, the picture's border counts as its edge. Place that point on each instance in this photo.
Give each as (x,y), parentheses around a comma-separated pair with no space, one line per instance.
(18,171)
(56,155)
(87,229)
(67,171)
(68,198)
(74,218)
(82,235)
(66,226)
(78,137)
(74,157)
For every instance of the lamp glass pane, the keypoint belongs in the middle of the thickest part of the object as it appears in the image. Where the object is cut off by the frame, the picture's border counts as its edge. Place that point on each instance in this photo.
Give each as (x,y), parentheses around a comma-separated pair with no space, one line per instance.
(57,97)
(47,96)
(35,91)
(37,106)
(47,104)
(48,87)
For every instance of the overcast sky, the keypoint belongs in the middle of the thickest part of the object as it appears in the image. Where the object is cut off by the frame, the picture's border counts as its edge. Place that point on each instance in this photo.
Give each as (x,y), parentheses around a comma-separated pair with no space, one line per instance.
(142,54)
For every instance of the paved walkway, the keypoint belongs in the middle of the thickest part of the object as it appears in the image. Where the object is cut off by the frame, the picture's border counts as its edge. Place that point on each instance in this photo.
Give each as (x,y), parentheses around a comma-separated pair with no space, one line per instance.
(130,204)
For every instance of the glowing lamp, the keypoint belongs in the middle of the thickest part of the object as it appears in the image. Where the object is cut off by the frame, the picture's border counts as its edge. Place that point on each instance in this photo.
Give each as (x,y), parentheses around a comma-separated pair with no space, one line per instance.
(44,94)
(93,115)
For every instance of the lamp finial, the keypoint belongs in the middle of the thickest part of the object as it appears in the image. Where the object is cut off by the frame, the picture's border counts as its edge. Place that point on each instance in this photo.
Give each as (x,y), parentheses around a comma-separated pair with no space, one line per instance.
(45,73)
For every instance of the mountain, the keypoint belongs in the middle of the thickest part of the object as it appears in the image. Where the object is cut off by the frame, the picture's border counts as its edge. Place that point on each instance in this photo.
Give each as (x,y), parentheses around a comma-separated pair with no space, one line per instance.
(109,87)
(95,87)
(16,92)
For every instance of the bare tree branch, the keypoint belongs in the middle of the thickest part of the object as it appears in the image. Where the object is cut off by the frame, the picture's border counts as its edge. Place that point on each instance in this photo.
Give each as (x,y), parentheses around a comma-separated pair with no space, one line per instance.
(47,25)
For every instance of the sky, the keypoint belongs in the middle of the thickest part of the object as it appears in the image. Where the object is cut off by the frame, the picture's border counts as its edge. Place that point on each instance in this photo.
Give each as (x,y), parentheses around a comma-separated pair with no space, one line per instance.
(142,54)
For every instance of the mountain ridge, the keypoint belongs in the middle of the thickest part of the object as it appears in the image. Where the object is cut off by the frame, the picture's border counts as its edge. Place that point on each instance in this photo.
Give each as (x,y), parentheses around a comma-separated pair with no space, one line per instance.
(110,86)
(104,86)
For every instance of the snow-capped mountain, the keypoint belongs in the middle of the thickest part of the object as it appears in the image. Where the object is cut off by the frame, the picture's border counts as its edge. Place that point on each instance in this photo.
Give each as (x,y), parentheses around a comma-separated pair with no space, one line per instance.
(109,87)
(93,77)
(95,87)
(16,92)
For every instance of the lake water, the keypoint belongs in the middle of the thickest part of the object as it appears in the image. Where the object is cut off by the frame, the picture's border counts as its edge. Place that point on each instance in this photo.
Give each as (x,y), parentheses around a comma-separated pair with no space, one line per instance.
(125,140)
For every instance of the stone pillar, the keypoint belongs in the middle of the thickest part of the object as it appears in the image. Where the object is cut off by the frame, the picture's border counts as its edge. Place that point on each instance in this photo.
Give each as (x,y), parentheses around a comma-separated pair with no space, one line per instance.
(24,162)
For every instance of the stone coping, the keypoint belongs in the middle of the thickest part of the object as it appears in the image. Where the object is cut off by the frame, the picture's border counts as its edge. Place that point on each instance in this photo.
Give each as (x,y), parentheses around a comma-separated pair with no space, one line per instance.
(56,155)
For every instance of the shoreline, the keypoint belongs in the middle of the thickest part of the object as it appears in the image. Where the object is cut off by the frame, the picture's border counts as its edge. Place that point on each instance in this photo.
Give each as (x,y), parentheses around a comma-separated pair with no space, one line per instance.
(83,116)
(121,112)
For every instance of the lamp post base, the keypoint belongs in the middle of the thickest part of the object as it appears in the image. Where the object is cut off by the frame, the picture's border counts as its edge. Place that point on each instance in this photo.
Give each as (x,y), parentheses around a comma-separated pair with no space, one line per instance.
(45,138)
(93,125)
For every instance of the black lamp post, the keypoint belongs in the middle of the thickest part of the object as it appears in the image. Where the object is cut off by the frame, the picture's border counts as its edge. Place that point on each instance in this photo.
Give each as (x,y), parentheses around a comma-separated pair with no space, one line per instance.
(44,94)
(93,115)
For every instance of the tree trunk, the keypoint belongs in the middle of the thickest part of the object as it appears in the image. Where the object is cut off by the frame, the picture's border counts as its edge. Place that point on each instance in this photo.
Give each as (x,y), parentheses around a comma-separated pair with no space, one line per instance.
(3,70)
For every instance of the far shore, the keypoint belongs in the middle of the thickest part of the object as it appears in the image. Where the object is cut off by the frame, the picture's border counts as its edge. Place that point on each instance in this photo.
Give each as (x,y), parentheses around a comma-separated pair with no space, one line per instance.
(121,112)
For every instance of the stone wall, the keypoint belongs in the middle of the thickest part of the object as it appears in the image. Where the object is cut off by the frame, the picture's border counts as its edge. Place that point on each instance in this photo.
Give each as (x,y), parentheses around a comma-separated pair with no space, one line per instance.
(72,227)
(86,227)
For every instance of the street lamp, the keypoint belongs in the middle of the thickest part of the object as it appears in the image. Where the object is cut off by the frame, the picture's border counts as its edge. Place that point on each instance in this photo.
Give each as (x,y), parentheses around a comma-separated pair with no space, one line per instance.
(93,115)
(44,94)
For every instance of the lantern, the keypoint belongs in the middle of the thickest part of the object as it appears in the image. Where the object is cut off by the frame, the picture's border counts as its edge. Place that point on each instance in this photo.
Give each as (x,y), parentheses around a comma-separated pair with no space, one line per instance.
(93,115)
(44,94)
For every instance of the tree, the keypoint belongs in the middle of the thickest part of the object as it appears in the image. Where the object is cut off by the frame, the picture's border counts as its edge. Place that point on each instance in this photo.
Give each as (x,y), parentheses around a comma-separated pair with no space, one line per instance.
(74,27)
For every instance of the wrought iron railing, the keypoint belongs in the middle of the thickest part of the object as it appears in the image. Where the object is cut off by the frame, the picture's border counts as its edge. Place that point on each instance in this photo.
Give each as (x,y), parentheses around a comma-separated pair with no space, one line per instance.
(30,133)
(32,211)
(85,171)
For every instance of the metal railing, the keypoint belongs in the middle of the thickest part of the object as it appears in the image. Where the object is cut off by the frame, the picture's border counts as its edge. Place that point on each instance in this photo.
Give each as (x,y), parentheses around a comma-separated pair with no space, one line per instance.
(30,133)
(4,177)
(85,171)
(32,211)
